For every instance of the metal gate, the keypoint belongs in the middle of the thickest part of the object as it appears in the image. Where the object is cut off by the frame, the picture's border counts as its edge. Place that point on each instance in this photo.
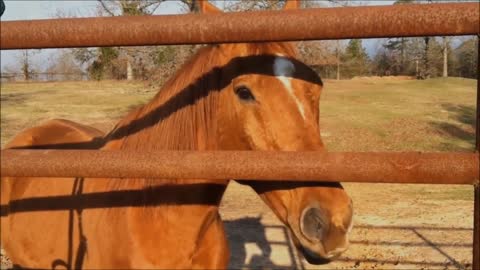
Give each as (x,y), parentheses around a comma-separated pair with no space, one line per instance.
(331,23)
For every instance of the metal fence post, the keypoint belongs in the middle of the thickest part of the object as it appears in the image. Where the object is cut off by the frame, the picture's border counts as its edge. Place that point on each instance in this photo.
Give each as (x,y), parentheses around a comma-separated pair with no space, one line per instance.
(476,187)
(476,228)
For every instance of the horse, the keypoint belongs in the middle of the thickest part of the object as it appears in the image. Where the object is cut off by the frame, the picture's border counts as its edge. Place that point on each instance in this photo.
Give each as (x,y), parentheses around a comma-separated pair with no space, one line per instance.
(249,96)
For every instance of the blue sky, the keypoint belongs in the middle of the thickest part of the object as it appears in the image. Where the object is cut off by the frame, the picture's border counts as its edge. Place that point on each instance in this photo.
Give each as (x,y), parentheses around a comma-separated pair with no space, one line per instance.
(30,10)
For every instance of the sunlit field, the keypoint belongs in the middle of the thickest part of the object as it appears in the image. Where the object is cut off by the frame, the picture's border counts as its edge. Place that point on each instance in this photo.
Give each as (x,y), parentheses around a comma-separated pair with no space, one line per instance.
(356,115)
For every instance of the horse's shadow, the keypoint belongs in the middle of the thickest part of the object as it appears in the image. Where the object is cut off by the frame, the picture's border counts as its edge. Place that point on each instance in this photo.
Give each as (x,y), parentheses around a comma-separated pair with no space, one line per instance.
(250,248)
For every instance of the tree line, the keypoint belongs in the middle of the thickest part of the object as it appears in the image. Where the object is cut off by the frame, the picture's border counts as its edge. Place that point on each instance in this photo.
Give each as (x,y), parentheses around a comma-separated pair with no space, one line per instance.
(419,57)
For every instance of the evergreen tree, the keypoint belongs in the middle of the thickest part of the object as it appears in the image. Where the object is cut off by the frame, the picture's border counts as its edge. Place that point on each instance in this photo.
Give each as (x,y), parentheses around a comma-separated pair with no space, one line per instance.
(355,59)
(466,56)
(382,64)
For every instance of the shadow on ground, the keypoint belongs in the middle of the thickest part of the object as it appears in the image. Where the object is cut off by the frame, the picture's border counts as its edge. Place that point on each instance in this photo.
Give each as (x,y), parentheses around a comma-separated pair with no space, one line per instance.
(462,127)
(245,232)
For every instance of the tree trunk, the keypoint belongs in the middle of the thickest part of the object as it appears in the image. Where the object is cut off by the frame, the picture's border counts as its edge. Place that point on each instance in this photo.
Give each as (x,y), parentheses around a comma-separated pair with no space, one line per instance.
(129,71)
(26,66)
(402,55)
(426,71)
(445,57)
(338,60)
(416,69)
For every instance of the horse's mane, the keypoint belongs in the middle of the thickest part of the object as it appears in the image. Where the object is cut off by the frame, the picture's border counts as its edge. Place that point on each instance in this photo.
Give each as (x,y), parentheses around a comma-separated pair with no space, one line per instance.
(182,115)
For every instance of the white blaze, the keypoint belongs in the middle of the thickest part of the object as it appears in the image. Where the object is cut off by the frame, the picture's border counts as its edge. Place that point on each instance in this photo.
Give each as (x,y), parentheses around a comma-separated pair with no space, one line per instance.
(283,69)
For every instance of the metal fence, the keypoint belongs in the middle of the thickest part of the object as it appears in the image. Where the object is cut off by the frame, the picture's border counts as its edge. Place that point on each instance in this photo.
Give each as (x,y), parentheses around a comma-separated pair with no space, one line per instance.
(328,23)
(42,76)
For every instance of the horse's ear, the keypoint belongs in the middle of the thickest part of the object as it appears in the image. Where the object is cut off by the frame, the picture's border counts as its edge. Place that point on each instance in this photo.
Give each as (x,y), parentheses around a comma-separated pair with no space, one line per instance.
(205,7)
(292,4)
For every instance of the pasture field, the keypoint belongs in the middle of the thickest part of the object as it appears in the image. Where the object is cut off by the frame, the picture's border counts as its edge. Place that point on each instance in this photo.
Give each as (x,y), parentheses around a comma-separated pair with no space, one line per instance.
(396,226)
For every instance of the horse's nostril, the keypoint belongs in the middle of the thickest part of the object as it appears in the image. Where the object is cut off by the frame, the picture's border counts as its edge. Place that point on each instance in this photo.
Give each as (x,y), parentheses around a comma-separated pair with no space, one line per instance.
(313,225)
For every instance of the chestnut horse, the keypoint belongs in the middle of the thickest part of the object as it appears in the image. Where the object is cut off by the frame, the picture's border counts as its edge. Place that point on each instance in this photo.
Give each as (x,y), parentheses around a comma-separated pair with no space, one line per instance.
(227,97)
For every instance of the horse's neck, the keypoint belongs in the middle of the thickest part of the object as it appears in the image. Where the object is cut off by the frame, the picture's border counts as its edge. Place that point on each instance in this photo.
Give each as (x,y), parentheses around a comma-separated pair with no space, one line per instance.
(184,129)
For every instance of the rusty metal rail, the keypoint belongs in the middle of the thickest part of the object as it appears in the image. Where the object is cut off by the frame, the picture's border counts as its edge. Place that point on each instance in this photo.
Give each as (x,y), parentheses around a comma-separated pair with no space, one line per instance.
(320,23)
(409,167)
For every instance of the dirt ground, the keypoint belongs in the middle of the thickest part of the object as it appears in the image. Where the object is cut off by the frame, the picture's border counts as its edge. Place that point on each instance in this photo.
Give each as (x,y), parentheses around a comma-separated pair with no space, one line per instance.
(396,226)
(391,231)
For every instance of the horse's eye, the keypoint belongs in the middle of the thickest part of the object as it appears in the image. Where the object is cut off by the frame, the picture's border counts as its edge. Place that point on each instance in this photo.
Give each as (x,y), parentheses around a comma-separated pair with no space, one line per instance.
(244,93)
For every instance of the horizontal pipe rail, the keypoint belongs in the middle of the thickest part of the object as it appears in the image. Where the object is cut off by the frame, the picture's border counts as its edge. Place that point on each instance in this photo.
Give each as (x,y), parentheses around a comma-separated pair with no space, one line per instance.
(318,23)
(409,167)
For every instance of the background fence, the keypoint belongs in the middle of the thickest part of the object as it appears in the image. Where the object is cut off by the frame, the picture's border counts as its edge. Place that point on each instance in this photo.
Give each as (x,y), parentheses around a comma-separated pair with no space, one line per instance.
(331,23)
(42,76)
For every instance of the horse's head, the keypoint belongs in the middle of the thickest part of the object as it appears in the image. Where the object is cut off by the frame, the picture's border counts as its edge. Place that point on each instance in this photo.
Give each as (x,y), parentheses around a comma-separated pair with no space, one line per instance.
(270,101)
(319,215)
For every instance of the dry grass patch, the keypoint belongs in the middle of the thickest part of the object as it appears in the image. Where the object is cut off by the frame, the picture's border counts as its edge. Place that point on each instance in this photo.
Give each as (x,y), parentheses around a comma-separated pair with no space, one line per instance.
(400,115)
(97,103)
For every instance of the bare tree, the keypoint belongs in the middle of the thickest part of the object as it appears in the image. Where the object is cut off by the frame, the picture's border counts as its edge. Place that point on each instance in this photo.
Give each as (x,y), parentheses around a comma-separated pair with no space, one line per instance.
(255,5)
(130,7)
(65,67)
(25,60)
(346,3)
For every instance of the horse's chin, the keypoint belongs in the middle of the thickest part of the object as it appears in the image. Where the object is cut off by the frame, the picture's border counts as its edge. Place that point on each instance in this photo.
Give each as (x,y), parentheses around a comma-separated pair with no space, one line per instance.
(312,258)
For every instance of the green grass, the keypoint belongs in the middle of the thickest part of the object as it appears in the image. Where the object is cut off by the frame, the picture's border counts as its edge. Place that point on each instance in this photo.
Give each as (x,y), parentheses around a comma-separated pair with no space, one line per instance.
(97,103)
(408,115)
(356,115)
